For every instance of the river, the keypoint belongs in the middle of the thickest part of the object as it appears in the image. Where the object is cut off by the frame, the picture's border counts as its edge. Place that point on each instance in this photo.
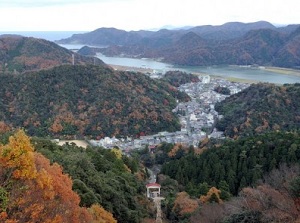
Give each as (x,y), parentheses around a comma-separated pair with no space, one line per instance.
(255,74)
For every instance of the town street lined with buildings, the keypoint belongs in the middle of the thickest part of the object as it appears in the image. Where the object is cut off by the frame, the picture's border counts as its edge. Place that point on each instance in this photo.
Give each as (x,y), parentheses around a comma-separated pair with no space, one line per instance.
(197,117)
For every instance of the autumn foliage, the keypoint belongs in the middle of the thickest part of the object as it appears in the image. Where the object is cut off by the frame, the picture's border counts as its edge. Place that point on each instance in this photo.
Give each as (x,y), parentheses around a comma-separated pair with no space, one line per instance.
(88,101)
(36,190)
(100,215)
(213,195)
(184,204)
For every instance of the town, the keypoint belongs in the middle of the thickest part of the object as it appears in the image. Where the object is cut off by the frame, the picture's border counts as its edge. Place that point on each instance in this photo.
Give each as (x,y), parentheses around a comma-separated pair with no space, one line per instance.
(197,117)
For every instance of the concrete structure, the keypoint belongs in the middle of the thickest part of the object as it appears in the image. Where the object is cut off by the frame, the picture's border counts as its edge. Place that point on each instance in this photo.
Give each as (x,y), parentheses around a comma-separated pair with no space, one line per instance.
(153,190)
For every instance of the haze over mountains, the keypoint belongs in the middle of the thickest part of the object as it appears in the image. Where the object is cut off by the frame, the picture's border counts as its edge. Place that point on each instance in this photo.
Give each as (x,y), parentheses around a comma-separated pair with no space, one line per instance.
(259,43)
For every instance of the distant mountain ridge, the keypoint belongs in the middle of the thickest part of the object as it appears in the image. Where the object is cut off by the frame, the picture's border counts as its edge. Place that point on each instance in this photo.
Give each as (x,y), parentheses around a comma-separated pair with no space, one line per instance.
(107,36)
(258,43)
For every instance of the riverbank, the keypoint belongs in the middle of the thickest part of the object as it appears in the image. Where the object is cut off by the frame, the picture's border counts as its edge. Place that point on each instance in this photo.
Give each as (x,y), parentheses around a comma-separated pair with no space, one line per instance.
(235,79)
(285,71)
(128,68)
(276,75)
(148,70)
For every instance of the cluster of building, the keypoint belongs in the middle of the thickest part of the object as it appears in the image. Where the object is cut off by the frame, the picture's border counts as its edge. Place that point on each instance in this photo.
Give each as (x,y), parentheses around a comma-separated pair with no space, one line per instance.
(197,117)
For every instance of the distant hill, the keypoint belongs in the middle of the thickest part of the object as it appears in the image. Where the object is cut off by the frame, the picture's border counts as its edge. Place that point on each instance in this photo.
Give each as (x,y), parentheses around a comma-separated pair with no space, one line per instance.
(112,36)
(258,43)
(289,54)
(260,108)
(230,30)
(19,54)
(103,36)
(87,100)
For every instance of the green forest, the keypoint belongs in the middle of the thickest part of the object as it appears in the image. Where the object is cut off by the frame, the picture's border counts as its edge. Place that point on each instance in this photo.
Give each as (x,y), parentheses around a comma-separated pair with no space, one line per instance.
(220,174)
(238,163)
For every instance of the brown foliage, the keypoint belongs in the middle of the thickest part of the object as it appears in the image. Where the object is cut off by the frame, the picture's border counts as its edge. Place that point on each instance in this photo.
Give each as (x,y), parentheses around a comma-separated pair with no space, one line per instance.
(184,204)
(212,192)
(209,213)
(174,150)
(39,191)
(270,199)
(100,215)
(4,127)
(275,206)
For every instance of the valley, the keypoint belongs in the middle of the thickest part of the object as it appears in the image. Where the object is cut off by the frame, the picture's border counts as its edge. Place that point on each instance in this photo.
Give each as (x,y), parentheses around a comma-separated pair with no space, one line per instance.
(214,124)
(197,117)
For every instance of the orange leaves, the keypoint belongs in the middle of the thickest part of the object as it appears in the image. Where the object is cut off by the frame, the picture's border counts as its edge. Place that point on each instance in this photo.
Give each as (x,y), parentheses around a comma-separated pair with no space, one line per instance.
(44,181)
(39,192)
(53,177)
(175,149)
(184,204)
(100,215)
(56,126)
(18,155)
(213,195)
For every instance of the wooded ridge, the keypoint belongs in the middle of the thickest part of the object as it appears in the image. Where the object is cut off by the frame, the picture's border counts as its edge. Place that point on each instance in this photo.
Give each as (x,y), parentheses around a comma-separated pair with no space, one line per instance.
(258,43)
(91,101)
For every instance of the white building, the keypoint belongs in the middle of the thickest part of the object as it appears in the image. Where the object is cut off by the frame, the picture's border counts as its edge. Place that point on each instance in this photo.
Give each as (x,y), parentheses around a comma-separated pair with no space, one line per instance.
(206,79)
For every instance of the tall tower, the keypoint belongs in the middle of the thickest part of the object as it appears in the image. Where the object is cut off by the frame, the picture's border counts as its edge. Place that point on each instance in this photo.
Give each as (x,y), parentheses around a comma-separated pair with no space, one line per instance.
(73,59)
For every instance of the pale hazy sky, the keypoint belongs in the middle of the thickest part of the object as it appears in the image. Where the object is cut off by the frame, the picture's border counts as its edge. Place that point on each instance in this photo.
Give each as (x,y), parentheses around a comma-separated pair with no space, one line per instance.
(88,15)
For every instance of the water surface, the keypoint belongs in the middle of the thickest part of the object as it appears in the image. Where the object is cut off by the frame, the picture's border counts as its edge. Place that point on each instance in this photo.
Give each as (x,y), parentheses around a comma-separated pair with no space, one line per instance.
(258,74)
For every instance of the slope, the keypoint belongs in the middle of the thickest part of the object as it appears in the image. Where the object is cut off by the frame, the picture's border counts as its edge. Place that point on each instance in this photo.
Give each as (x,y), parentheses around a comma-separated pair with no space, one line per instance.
(88,101)
(260,108)
(19,54)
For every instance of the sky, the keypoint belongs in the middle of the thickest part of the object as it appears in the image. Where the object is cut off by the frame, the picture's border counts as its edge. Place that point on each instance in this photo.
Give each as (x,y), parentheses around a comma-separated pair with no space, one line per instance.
(88,15)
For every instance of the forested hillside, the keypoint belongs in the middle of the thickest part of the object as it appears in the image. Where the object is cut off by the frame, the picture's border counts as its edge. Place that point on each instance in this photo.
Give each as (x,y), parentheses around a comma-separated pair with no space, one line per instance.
(239,163)
(260,108)
(102,176)
(231,180)
(265,47)
(93,101)
(19,54)
(34,190)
